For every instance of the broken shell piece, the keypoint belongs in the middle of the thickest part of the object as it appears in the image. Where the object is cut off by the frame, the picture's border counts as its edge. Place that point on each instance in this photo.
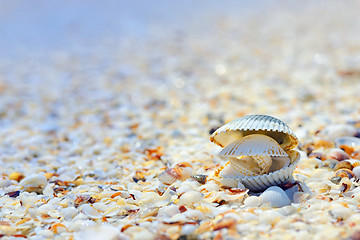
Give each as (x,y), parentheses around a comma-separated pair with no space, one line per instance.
(279,163)
(255,124)
(343,165)
(275,197)
(348,149)
(200,178)
(260,182)
(356,171)
(344,173)
(356,155)
(300,197)
(353,162)
(338,154)
(34,183)
(169,176)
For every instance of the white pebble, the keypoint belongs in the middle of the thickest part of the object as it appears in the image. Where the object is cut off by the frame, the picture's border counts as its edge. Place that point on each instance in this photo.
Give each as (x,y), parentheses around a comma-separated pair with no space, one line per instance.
(190,198)
(252,201)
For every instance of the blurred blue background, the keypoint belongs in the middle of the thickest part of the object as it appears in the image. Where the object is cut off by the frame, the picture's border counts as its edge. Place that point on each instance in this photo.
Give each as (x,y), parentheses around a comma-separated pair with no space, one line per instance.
(40,26)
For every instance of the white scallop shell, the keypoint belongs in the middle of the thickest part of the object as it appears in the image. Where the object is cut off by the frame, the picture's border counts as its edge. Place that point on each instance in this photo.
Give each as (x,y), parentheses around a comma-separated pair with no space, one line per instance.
(331,132)
(275,197)
(349,141)
(261,182)
(252,124)
(253,145)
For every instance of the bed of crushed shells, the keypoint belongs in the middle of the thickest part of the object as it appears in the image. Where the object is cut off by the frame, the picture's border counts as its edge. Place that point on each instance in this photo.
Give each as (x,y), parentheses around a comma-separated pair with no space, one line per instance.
(83,137)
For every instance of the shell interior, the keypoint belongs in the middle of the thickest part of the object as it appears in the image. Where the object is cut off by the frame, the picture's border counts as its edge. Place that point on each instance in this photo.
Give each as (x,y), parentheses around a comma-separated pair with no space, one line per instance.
(255,124)
(252,145)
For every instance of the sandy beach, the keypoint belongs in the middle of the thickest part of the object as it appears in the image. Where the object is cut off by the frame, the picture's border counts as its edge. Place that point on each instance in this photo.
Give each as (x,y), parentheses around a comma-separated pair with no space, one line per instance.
(95,105)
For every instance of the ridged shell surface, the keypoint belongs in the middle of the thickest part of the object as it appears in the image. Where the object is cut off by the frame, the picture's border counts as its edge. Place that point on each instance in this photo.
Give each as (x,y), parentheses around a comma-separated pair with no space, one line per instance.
(255,124)
(262,182)
(275,196)
(253,145)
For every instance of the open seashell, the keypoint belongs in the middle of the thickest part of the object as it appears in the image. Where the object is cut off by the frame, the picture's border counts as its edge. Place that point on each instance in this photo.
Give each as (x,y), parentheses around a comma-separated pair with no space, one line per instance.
(275,197)
(260,182)
(255,124)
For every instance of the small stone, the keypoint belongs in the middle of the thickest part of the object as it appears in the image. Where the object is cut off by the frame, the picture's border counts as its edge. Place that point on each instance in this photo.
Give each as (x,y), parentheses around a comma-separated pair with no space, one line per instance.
(335,180)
